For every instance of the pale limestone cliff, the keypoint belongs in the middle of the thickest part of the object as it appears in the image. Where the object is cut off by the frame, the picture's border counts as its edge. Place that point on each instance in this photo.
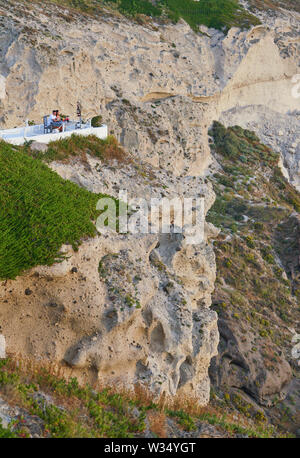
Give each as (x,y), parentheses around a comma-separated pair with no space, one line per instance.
(158,89)
(125,308)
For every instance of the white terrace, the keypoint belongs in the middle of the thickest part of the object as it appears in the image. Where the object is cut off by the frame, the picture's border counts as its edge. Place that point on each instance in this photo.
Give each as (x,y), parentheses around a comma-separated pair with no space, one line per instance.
(38,133)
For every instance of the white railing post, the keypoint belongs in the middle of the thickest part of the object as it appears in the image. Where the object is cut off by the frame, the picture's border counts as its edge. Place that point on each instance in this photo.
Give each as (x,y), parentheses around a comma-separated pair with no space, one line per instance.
(25,128)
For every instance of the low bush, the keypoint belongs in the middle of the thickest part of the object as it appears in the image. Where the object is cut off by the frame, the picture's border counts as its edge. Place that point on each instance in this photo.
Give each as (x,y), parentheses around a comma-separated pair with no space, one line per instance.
(97,121)
(79,146)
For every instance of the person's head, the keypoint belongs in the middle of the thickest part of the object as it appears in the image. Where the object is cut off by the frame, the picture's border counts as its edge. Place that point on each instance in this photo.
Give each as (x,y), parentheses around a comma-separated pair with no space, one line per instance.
(55,112)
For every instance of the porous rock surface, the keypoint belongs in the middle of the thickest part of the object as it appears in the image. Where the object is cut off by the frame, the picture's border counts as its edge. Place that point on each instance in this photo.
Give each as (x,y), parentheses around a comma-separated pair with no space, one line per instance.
(124,308)
(127,308)
(158,88)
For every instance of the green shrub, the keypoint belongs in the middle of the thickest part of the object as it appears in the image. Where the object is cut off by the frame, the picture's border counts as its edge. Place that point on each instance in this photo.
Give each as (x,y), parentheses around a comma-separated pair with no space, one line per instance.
(97,121)
(258,226)
(6,433)
(267,255)
(183,418)
(250,241)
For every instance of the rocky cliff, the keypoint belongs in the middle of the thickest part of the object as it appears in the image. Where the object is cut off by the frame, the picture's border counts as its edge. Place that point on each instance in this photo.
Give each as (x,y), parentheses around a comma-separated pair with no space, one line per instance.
(159,88)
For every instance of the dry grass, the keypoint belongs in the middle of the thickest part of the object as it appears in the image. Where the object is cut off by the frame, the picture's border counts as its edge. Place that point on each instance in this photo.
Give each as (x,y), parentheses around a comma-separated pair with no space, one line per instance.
(64,150)
(98,411)
(157,423)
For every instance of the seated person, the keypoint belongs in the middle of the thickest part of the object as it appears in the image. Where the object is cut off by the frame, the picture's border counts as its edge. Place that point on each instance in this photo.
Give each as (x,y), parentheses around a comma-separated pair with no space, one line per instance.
(55,120)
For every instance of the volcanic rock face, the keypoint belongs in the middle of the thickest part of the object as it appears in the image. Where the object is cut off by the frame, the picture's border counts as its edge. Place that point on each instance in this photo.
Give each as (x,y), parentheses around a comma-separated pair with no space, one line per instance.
(129,308)
(236,367)
(124,308)
(158,88)
(272,110)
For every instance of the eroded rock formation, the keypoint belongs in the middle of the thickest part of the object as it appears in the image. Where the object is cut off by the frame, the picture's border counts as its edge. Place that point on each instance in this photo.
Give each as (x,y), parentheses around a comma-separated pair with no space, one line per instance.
(133,309)
(124,308)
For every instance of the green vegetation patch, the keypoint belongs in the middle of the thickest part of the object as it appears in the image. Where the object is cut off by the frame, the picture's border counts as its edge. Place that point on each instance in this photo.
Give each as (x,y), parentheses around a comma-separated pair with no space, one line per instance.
(79,146)
(253,200)
(39,212)
(71,410)
(219,14)
(253,209)
(258,240)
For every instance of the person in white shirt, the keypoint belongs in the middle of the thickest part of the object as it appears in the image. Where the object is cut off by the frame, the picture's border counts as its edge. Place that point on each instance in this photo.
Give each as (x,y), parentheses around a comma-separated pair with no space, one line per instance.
(56,121)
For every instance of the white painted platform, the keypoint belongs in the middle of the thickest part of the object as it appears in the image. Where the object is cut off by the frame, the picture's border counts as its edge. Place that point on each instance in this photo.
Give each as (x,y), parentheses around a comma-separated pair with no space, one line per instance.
(20,135)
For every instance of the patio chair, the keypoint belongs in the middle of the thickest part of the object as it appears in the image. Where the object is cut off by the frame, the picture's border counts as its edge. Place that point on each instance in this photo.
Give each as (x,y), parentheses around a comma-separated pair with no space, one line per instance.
(47,127)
